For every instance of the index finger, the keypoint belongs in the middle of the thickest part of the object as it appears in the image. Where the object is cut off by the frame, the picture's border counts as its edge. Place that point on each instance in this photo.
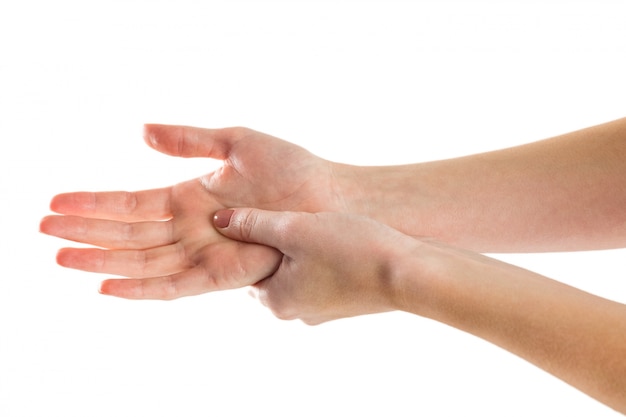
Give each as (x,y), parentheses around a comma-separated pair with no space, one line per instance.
(116,205)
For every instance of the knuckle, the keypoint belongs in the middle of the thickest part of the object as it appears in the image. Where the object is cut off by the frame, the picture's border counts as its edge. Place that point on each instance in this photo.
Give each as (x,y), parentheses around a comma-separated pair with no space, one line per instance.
(182,256)
(284,313)
(288,226)
(238,131)
(297,223)
(181,144)
(188,142)
(169,289)
(129,202)
(127,232)
(141,262)
(279,308)
(248,224)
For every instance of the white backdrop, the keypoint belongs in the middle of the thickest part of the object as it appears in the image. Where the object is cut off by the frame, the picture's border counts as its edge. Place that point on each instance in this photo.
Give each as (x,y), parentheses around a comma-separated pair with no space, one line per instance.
(358,82)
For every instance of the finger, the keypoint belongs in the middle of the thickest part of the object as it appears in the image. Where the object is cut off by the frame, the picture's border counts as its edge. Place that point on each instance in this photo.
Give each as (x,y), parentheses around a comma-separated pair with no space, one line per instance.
(269,228)
(230,267)
(136,263)
(159,288)
(108,233)
(186,141)
(186,283)
(115,205)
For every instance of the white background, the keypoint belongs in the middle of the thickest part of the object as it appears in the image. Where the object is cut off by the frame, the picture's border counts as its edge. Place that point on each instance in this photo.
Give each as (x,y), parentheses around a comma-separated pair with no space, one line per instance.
(357,82)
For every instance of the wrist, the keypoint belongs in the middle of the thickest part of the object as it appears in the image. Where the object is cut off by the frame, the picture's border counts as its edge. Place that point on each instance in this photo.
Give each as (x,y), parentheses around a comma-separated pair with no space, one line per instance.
(392,195)
(433,279)
(412,276)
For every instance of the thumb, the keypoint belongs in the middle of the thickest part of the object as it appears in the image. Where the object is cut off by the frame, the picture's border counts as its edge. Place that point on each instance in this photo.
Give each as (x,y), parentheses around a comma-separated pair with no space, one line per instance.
(254,225)
(189,142)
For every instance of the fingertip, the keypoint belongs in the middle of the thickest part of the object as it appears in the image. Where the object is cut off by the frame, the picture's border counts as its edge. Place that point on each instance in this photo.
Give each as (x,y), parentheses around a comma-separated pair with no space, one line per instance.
(120,288)
(49,225)
(70,203)
(106,287)
(64,257)
(56,204)
(150,136)
(44,225)
(84,259)
(189,141)
(167,139)
(102,289)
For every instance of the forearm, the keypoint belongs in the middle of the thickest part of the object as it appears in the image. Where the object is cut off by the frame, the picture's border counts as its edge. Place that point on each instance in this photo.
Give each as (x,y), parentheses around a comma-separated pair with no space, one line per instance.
(576,336)
(563,193)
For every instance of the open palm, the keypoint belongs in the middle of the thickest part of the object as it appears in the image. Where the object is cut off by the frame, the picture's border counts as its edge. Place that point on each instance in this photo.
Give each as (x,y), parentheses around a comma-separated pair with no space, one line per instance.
(164,239)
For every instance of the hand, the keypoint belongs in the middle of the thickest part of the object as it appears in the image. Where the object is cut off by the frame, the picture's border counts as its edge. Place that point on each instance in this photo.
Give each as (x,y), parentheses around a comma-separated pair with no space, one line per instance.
(164,238)
(337,265)
(333,265)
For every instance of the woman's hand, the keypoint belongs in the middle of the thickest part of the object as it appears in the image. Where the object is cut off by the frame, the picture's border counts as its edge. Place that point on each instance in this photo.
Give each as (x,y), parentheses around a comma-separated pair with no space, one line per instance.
(336,265)
(333,265)
(164,238)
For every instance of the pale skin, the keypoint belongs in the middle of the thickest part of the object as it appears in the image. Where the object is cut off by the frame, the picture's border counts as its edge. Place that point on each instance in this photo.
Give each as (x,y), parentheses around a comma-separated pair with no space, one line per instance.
(563,193)
(352,265)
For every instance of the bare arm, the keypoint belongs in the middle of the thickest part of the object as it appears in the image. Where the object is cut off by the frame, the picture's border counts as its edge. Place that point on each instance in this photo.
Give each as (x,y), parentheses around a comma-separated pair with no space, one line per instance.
(576,336)
(562,193)
(565,193)
(337,266)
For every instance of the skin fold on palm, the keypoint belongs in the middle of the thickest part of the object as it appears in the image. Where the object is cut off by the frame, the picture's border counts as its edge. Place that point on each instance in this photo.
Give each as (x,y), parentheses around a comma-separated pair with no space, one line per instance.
(164,240)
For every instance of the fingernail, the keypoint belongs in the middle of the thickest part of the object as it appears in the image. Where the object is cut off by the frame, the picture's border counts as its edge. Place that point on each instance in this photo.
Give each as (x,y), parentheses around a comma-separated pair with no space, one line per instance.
(221,218)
